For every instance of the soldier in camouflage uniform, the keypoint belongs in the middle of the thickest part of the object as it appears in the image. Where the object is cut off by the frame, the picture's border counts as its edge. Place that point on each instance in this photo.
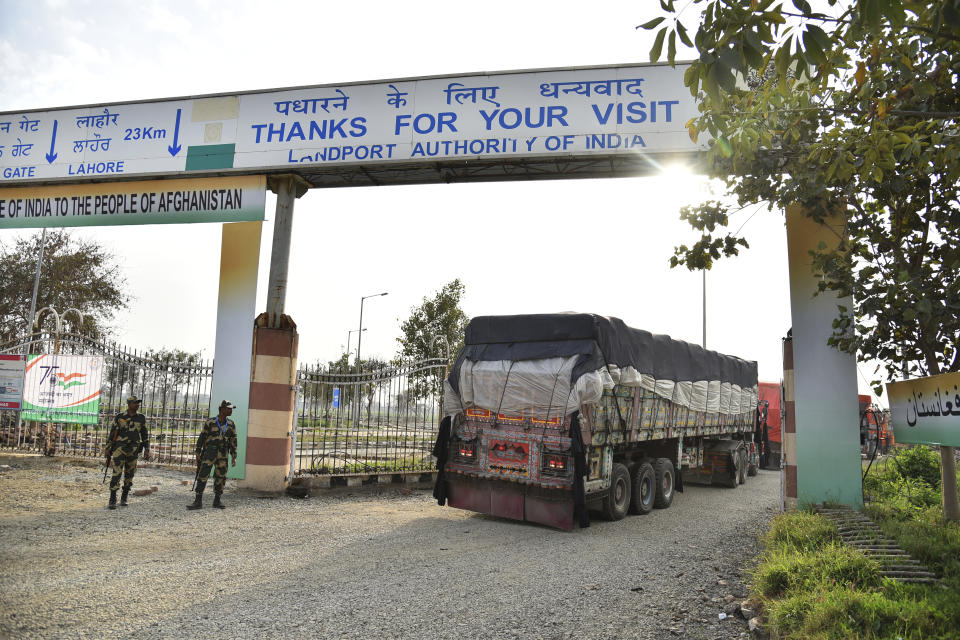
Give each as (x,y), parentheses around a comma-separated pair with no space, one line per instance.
(217,438)
(128,437)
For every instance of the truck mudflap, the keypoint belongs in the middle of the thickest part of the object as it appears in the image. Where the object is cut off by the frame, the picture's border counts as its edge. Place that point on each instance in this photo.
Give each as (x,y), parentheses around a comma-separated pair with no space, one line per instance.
(517,502)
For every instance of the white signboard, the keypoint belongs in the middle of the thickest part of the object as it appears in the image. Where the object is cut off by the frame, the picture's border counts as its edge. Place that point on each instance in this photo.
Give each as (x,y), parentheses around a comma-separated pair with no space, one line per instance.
(11,380)
(62,388)
(639,109)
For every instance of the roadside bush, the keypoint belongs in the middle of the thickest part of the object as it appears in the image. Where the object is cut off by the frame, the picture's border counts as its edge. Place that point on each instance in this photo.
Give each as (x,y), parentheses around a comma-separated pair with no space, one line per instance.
(908,481)
(921,463)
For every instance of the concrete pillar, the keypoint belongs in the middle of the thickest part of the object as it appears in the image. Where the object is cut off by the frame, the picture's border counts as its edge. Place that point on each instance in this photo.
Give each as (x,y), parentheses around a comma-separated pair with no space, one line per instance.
(236,305)
(288,188)
(827,436)
(273,374)
(272,384)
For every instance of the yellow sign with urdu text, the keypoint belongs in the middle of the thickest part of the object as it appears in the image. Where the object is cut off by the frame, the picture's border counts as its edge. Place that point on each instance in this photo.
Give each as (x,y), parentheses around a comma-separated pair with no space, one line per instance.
(926,410)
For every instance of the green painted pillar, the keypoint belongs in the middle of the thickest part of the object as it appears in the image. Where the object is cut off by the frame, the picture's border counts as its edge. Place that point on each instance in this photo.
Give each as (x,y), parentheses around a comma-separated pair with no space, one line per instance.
(236,308)
(826,440)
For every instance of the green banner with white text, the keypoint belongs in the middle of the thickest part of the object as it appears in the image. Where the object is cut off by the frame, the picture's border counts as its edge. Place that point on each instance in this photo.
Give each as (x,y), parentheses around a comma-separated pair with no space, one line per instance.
(224,199)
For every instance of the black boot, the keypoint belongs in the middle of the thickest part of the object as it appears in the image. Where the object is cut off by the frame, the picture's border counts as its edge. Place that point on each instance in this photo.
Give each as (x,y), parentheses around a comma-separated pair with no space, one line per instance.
(217,503)
(123,496)
(197,503)
(113,499)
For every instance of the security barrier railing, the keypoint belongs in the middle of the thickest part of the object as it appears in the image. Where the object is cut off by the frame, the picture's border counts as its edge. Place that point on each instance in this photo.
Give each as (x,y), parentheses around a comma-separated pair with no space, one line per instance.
(175,388)
(377,422)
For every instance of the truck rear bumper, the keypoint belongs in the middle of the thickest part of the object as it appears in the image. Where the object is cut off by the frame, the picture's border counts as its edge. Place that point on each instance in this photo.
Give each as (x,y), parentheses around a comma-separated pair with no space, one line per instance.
(512,501)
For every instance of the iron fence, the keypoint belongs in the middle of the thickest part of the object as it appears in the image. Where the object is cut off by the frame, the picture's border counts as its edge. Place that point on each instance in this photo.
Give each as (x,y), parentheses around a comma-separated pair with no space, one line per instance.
(175,392)
(378,422)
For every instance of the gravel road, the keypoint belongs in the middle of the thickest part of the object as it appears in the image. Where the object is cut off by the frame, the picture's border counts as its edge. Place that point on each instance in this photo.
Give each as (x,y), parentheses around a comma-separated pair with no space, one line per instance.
(380,563)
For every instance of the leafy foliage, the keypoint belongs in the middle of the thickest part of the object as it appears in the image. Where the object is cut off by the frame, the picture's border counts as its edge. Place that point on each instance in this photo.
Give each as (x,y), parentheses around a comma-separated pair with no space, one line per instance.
(852,110)
(78,274)
(435,320)
(910,480)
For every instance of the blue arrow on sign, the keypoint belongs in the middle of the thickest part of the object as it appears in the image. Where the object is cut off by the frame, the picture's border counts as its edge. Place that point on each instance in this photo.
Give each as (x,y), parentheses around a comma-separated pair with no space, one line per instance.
(53,143)
(174,149)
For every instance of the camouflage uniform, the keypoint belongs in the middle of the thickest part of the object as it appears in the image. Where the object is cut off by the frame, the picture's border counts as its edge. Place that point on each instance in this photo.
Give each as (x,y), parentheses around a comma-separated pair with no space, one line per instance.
(128,438)
(216,441)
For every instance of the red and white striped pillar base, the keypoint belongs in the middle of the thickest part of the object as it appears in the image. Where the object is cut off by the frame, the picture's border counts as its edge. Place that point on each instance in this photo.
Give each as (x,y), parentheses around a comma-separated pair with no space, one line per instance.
(270,424)
(789,434)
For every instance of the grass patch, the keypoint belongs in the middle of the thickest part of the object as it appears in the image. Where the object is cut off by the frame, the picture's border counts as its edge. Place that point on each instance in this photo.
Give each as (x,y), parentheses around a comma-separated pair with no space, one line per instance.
(810,585)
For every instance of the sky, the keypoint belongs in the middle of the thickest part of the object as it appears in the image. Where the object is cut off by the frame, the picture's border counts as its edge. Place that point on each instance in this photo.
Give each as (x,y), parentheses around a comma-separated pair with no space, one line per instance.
(599,246)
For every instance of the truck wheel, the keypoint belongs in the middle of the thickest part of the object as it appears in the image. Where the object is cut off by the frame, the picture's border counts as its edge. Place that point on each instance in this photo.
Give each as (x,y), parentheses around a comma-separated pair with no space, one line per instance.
(663,471)
(731,475)
(644,489)
(617,501)
(741,466)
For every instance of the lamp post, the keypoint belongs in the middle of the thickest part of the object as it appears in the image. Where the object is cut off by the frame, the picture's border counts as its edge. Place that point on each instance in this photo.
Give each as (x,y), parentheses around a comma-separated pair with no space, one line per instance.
(360,330)
(350,333)
(359,339)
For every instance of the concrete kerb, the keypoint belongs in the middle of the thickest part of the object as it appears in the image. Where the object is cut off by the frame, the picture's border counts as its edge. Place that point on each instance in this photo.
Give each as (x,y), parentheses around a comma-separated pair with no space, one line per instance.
(418,480)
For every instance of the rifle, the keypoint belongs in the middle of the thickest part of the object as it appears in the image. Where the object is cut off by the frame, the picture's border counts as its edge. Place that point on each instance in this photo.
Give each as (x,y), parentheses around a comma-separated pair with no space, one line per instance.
(106,468)
(197,475)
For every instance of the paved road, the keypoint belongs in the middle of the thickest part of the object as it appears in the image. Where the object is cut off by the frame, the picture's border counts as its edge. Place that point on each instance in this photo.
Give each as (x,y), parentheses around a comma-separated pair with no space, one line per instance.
(390,564)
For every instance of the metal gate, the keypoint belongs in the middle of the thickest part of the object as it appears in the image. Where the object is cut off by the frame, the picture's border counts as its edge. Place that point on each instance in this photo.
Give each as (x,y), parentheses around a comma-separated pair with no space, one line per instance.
(378,422)
(175,388)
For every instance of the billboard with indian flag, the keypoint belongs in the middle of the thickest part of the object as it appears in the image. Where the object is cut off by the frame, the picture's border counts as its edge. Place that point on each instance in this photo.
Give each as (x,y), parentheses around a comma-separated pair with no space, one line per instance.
(62,388)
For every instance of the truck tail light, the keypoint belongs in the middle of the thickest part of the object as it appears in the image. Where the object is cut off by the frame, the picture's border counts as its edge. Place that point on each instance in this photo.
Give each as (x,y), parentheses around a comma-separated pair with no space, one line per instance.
(465,451)
(554,463)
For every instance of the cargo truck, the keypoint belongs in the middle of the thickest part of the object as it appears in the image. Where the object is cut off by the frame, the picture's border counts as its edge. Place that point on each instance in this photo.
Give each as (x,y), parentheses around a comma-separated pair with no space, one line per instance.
(549,416)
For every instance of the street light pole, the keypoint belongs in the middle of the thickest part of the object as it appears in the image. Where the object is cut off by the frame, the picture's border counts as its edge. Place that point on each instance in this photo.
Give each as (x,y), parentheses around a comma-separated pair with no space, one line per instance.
(360,330)
(36,286)
(349,334)
(359,340)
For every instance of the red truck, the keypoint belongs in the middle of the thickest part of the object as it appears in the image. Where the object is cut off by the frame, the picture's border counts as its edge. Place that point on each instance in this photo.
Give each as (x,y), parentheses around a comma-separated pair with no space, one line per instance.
(770,404)
(548,416)
(875,432)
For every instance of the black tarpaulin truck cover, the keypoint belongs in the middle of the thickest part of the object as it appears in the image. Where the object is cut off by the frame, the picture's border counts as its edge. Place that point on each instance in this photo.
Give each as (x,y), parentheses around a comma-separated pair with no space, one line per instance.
(598,341)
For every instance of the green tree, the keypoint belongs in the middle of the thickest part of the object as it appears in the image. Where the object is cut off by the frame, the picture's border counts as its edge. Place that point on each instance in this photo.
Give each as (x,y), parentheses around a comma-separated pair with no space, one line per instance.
(851,110)
(75,273)
(424,331)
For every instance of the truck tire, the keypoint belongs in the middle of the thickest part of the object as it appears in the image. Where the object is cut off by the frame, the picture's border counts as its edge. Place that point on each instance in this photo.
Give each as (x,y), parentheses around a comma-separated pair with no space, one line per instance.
(753,465)
(617,501)
(644,489)
(742,466)
(730,476)
(663,472)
